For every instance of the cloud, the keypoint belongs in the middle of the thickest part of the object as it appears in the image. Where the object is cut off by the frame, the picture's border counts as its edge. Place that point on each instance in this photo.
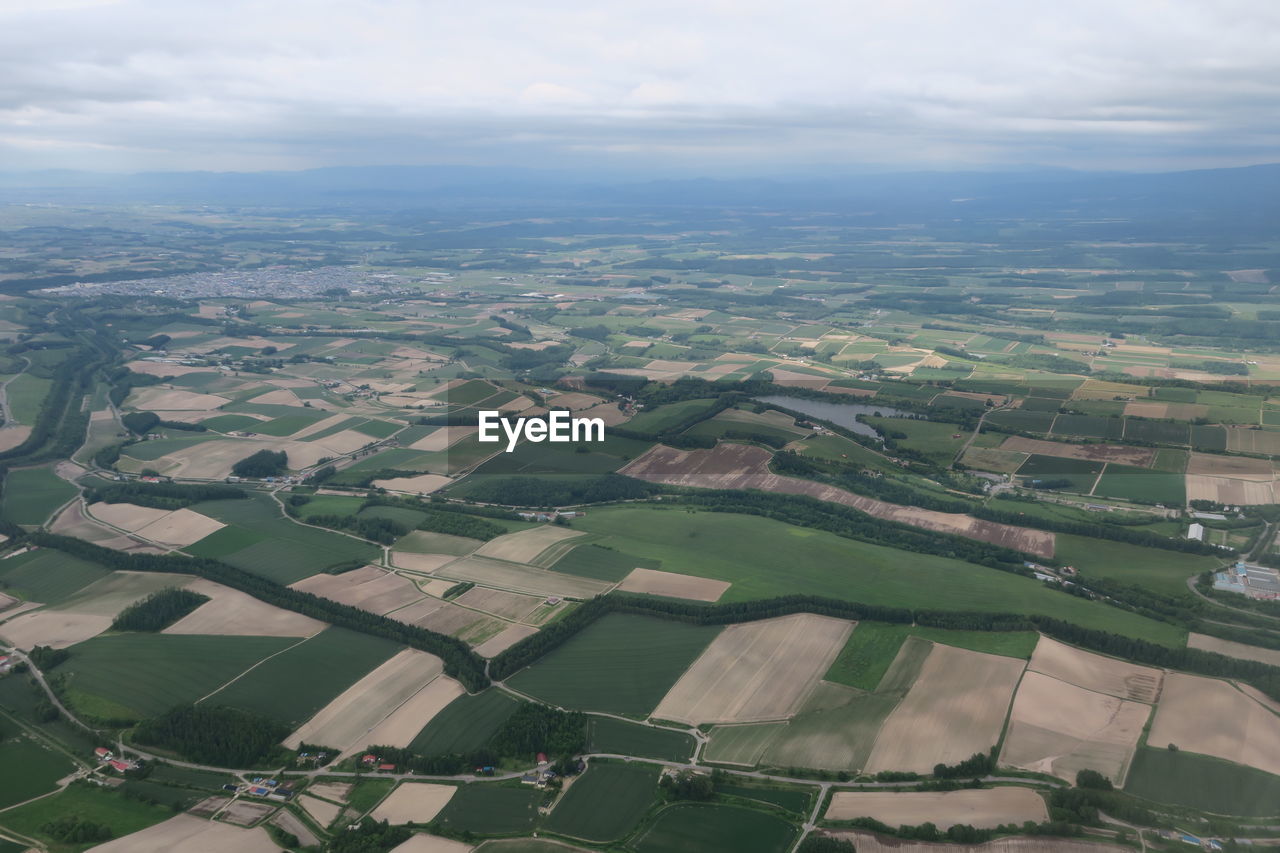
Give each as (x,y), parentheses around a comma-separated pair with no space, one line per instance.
(663,85)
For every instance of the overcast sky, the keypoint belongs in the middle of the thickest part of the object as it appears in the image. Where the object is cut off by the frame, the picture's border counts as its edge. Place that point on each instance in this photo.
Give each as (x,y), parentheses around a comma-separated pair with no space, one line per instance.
(687,86)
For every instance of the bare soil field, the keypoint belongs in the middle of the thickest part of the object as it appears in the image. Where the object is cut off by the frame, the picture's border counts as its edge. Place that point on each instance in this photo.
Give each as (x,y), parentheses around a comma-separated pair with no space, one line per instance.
(756,671)
(245,812)
(345,721)
(370,588)
(425,563)
(1097,389)
(519,578)
(404,723)
(673,585)
(956,708)
(212,460)
(1244,440)
(524,546)
(1096,672)
(423,843)
(1235,467)
(209,806)
(343,442)
(1229,491)
(1214,718)
(867,842)
(1233,650)
(231,612)
(445,617)
(741,466)
(13,435)
(323,812)
(505,640)
(508,605)
(191,835)
(159,399)
(414,802)
(1060,729)
(127,516)
(72,521)
(294,825)
(981,809)
(574,401)
(180,528)
(443,438)
(423,484)
(336,791)
(1138,456)
(56,628)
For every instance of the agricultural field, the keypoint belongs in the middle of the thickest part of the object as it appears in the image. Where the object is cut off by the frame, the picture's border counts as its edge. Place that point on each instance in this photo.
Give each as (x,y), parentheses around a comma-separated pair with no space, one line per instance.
(489,808)
(31,495)
(1214,718)
(756,671)
(622,664)
(1200,782)
(413,802)
(85,802)
(610,735)
(185,832)
(700,828)
(42,766)
(465,724)
(47,576)
(956,708)
(1109,676)
(605,802)
(872,647)
(982,809)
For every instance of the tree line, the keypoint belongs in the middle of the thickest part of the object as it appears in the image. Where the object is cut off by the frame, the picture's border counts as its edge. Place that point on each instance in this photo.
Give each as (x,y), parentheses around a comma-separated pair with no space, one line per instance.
(162,495)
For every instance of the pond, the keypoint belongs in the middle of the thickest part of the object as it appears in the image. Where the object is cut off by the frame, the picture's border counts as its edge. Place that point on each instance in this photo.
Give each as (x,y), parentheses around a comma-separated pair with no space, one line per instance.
(842,414)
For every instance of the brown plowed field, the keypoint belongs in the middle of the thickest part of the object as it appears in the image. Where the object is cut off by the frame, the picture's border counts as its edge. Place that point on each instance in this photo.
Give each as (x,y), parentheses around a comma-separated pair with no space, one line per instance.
(743,466)
(1139,456)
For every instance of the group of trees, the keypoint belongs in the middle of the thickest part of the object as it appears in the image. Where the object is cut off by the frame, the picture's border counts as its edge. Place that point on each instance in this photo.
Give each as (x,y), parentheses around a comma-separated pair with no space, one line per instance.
(226,737)
(384,531)
(544,491)
(158,610)
(264,463)
(141,423)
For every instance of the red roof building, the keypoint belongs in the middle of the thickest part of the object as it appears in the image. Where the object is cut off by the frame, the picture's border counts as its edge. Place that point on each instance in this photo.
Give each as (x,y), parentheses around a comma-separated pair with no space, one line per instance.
(542,758)
(369,759)
(102,752)
(386,767)
(117,764)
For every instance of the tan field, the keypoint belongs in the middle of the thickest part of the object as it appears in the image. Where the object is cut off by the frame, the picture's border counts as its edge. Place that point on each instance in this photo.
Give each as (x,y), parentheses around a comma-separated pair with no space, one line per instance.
(13,435)
(180,528)
(1212,717)
(443,438)
(1161,411)
(344,442)
(673,585)
(108,595)
(345,721)
(756,671)
(984,809)
(370,588)
(1060,729)
(607,412)
(423,843)
(73,521)
(1235,467)
(1096,672)
(281,397)
(1233,650)
(231,612)
(508,605)
(524,546)
(294,825)
(510,635)
(1228,491)
(320,426)
(956,708)
(425,563)
(1139,456)
(336,791)
(160,399)
(324,812)
(55,628)
(414,802)
(867,842)
(445,617)
(423,484)
(160,368)
(129,517)
(212,460)
(1248,440)
(518,578)
(743,466)
(191,835)
(1097,389)
(574,401)
(404,723)
(245,812)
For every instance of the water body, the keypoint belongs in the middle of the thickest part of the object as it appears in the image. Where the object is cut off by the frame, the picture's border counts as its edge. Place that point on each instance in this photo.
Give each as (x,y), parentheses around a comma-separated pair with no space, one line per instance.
(843,414)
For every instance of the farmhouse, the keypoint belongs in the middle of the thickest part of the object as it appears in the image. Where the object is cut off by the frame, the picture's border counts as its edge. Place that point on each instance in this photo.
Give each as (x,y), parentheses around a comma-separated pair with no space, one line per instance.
(1246,579)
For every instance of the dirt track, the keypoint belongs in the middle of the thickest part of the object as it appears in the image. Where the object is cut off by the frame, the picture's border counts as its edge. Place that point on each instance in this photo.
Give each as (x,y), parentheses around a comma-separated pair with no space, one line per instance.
(742,466)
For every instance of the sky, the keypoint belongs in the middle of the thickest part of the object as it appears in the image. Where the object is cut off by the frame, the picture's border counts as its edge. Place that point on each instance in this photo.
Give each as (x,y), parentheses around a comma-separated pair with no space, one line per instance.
(658,87)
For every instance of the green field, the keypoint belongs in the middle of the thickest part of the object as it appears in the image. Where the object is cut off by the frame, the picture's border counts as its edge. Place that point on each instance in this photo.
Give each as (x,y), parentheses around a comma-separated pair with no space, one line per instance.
(622,663)
(1143,485)
(141,675)
(470,392)
(613,736)
(1089,426)
(231,423)
(1171,459)
(1203,783)
(747,551)
(32,494)
(293,685)
(937,441)
(669,416)
(1158,570)
(544,458)
(465,724)
(700,828)
(330,505)
(606,802)
(793,798)
(872,646)
(88,803)
(741,744)
(1079,474)
(260,539)
(605,564)
(41,766)
(47,576)
(289,424)
(492,809)
(25,393)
